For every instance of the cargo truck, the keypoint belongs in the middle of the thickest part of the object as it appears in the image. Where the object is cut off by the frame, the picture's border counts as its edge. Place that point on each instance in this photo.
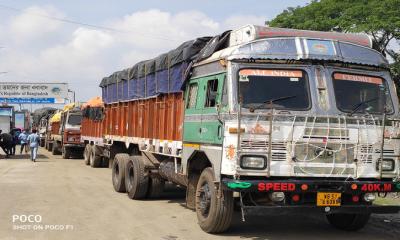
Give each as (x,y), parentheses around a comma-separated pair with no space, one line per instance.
(6,118)
(40,121)
(267,119)
(64,132)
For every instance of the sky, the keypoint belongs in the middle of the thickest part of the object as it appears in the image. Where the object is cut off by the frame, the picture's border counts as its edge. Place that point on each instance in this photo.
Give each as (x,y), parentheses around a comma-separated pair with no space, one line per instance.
(41,41)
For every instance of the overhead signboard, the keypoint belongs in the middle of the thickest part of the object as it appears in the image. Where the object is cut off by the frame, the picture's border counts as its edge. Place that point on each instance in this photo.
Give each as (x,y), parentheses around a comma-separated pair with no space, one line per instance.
(36,93)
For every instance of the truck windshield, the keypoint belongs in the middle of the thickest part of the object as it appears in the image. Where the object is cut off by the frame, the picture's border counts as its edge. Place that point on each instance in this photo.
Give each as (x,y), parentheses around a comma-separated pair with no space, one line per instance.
(352,90)
(74,119)
(258,86)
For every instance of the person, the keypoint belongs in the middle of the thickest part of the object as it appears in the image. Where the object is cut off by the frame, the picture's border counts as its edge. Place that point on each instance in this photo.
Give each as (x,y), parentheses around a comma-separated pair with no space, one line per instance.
(23,138)
(14,142)
(33,140)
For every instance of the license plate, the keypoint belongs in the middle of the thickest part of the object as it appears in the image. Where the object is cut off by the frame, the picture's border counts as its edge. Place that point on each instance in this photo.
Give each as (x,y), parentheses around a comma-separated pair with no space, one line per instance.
(328,199)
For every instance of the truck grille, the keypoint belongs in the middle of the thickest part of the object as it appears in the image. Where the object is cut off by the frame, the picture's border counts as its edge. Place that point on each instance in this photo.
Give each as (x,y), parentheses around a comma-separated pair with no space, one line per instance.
(365,153)
(279,150)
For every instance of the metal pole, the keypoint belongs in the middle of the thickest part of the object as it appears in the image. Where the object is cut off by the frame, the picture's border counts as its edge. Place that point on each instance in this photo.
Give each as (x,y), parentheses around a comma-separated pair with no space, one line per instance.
(73,92)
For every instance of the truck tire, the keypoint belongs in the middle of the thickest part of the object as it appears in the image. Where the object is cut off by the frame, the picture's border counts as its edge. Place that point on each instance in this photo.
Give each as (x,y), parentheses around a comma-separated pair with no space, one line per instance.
(66,153)
(136,178)
(42,142)
(348,222)
(118,171)
(86,154)
(214,213)
(156,187)
(54,149)
(95,160)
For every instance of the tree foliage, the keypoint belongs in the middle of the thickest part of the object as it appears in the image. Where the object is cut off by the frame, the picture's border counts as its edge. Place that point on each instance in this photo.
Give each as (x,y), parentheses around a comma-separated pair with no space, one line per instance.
(378,18)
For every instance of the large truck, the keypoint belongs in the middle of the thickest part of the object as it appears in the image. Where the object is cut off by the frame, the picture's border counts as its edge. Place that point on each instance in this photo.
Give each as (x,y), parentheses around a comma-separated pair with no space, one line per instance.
(6,118)
(64,132)
(40,121)
(269,119)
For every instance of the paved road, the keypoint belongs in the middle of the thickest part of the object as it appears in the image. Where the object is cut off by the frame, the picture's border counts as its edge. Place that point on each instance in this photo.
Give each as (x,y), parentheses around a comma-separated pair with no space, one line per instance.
(77,202)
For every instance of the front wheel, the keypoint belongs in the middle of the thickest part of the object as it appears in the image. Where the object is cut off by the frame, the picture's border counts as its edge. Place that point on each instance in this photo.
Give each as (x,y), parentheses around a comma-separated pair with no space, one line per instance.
(214,212)
(348,222)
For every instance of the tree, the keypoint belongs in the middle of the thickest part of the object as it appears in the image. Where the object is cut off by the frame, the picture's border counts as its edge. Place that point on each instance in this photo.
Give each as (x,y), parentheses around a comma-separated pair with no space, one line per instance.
(378,18)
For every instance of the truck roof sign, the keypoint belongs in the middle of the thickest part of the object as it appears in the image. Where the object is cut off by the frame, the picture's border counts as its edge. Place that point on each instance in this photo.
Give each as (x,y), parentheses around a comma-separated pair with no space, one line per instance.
(271,73)
(358,78)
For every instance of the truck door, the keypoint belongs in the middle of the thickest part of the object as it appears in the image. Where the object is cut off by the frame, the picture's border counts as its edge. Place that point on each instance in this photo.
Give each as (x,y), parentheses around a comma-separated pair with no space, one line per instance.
(211,92)
(193,110)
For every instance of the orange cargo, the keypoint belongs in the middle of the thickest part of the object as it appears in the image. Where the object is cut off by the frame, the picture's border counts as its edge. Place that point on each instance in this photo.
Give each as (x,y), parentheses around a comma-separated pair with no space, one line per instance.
(153,118)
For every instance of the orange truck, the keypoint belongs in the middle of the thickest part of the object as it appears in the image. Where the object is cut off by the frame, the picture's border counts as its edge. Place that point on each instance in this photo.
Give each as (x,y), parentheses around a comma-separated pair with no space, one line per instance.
(64,132)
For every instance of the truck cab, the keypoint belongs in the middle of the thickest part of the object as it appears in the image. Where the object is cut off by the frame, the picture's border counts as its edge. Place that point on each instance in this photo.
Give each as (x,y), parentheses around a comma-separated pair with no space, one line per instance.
(291,120)
(70,131)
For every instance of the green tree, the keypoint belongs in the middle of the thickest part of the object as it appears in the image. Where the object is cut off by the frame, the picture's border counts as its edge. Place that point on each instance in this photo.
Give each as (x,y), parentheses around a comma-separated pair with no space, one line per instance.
(378,18)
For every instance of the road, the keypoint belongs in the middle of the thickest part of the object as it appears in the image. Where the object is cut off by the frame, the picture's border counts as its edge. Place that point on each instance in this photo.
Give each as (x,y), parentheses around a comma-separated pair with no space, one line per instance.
(75,201)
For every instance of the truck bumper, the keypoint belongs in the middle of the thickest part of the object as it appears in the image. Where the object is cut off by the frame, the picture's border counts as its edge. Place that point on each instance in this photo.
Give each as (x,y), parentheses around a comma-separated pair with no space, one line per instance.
(74,145)
(364,209)
(311,188)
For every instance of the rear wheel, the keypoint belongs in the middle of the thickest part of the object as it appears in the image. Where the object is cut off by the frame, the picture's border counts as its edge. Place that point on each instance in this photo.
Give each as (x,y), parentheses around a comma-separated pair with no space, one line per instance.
(118,171)
(348,222)
(42,142)
(95,159)
(136,178)
(214,213)
(66,153)
(156,187)
(55,148)
(86,154)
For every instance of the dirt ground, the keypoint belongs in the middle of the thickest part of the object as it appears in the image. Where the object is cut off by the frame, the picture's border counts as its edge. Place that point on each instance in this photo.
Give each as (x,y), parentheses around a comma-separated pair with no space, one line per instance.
(74,201)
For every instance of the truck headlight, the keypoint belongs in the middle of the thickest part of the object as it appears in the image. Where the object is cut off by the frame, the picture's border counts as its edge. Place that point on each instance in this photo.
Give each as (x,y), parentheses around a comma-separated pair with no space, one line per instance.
(253,162)
(387,165)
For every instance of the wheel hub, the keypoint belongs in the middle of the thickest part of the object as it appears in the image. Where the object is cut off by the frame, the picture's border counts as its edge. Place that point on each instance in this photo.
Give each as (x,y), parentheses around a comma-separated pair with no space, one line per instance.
(205,199)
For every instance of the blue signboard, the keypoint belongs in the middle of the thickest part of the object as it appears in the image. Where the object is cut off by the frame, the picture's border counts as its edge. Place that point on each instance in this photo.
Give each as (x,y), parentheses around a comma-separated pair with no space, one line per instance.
(27,100)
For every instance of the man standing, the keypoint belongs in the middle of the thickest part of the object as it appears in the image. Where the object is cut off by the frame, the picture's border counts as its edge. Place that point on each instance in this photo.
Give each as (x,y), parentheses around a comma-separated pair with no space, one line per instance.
(23,138)
(33,140)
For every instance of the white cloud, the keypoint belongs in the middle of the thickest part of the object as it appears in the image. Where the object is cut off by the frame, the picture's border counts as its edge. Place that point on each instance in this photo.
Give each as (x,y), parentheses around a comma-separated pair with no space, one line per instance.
(54,51)
(32,23)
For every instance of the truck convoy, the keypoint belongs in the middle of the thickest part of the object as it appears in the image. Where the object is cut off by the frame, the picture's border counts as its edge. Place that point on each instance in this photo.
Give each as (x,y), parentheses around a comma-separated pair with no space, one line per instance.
(269,119)
(40,121)
(63,134)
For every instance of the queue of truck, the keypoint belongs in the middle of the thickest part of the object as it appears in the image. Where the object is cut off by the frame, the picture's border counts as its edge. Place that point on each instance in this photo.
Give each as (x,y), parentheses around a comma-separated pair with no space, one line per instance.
(265,119)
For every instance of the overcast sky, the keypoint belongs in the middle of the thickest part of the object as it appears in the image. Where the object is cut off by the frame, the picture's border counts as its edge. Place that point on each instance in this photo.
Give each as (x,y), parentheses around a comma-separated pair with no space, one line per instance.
(37,47)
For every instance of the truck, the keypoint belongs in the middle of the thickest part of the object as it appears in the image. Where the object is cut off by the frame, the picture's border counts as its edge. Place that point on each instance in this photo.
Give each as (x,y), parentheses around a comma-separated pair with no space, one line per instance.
(64,132)
(260,119)
(6,118)
(40,121)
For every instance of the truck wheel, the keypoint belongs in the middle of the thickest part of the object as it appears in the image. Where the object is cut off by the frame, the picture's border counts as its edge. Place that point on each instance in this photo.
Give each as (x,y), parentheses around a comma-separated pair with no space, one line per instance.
(95,160)
(54,149)
(118,171)
(41,142)
(214,213)
(86,154)
(66,153)
(156,187)
(348,222)
(136,179)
